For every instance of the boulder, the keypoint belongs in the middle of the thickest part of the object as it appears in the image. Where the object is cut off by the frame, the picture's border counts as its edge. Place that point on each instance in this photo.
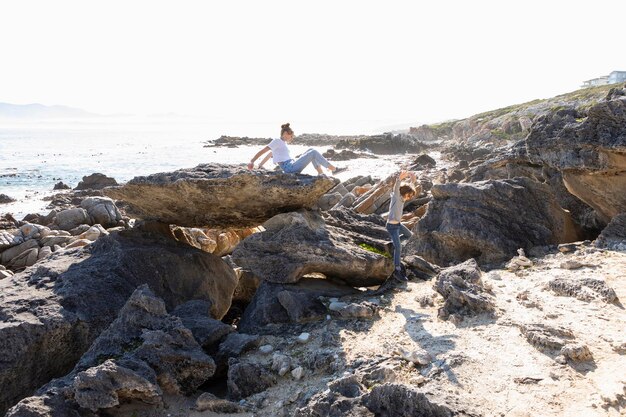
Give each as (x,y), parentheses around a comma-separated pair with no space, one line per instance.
(24,259)
(54,311)
(298,243)
(8,254)
(95,181)
(463,292)
(296,303)
(589,149)
(489,221)
(233,346)
(10,239)
(245,379)
(219,195)
(207,331)
(102,210)
(71,218)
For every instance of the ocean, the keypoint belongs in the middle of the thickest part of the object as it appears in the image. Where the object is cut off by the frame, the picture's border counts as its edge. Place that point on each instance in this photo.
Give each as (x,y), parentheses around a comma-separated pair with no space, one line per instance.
(36,155)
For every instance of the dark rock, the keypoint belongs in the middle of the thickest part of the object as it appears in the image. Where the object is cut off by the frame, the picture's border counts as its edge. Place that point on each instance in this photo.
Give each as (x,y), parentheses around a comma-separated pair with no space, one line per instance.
(233,346)
(245,379)
(397,400)
(461,287)
(61,186)
(423,161)
(489,221)
(95,181)
(589,151)
(284,303)
(5,199)
(345,155)
(207,331)
(219,195)
(614,234)
(303,242)
(418,267)
(585,289)
(52,313)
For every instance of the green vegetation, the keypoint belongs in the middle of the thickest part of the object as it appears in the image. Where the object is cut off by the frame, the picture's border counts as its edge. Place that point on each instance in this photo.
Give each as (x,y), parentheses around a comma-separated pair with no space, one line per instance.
(373,249)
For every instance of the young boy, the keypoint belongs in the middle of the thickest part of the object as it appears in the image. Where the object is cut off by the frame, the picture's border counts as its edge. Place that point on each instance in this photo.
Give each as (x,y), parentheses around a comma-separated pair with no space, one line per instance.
(400,194)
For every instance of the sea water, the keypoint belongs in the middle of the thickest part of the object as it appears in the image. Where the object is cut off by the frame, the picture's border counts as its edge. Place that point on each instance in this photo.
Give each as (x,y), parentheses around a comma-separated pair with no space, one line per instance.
(35,156)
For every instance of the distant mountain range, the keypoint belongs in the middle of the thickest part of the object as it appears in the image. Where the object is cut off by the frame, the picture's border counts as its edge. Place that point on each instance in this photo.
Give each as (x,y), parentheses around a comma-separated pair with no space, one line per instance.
(39,111)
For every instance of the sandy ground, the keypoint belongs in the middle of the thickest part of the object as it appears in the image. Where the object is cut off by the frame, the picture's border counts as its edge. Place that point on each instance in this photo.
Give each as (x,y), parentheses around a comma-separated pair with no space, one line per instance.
(485,364)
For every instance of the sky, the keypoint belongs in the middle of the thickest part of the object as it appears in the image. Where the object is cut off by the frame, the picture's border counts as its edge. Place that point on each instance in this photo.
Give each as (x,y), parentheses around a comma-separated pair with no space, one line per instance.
(390,62)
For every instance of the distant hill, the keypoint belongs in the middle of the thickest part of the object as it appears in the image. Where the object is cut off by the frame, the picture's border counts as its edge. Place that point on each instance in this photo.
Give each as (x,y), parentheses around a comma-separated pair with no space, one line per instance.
(39,111)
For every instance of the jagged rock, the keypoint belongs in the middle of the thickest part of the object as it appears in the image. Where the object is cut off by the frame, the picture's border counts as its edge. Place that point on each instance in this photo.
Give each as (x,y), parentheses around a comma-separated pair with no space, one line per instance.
(585,289)
(329,200)
(61,186)
(423,161)
(110,384)
(245,379)
(545,337)
(95,181)
(397,400)
(53,312)
(577,352)
(219,195)
(9,254)
(345,155)
(418,267)
(71,218)
(232,347)
(24,259)
(489,221)
(589,150)
(363,310)
(8,239)
(303,242)
(207,331)
(614,234)
(283,303)
(462,289)
(102,210)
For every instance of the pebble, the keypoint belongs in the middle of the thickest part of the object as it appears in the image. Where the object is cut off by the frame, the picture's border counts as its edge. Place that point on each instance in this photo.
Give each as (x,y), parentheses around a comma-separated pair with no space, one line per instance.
(297,373)
(266,349)
(304,338)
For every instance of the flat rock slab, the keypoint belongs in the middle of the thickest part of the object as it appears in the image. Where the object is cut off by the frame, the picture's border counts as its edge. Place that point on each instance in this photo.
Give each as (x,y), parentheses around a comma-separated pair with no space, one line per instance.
(218,195)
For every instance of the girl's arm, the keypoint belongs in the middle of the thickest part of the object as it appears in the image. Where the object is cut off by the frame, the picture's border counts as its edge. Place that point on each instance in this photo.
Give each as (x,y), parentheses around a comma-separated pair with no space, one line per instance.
(268,156)
(258,154)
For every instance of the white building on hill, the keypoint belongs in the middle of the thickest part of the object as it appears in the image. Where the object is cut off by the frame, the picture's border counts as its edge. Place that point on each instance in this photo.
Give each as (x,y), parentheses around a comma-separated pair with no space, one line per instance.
(613,78)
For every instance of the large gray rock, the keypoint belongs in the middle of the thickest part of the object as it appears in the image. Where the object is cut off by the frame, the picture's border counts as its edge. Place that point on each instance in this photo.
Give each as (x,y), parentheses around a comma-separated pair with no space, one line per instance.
(218,195)
(11,253)
(245,379)
(489,221)
(290,303)
(298,243)
(53,312)
(589,150)
(102,210)
(207,331)
(71,218)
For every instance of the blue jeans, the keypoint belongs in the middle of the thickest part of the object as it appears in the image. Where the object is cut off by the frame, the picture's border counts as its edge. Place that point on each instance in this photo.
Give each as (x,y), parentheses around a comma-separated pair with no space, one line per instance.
(395,230)
(311,156)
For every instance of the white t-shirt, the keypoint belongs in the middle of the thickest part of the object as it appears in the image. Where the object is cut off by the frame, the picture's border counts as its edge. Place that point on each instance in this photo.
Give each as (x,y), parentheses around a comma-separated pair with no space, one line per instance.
(280,152)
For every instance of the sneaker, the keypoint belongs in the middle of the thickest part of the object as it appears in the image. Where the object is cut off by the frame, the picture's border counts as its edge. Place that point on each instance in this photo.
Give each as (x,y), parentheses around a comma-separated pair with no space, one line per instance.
(399,276)
(339,169)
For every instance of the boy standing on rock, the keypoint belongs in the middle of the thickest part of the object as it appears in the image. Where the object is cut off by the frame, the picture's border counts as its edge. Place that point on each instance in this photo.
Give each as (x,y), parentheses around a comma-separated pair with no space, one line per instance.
(400,194)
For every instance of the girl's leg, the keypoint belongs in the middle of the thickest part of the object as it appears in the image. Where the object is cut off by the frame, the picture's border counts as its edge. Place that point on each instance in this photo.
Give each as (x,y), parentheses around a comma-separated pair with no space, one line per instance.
(394,232)
(310,156)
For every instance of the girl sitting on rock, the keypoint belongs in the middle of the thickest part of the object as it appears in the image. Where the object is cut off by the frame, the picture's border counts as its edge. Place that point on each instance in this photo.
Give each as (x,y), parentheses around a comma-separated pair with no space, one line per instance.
(400,194)
(281,156)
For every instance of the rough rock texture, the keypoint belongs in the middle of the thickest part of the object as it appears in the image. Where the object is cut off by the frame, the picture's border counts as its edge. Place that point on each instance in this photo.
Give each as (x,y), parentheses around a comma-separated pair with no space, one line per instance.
(95,181)
(219,195)
(614,234)
(461,287)
(53,312)
(231,348)
(589,149)
(585,289)
(489,221)
(5,199)
(385,144)
(298,243)
(347,397)
(245,379)
(284,303)
(207,331)
(146,353)
(61,186)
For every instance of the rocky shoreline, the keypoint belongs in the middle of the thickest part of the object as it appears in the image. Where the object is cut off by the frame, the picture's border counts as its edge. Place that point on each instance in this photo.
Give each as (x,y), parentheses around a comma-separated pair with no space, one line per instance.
(221,291)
